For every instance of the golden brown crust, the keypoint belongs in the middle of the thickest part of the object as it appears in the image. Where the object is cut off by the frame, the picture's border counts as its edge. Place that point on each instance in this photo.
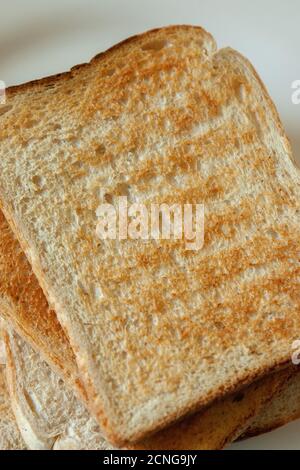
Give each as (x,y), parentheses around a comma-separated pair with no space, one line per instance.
(65,75)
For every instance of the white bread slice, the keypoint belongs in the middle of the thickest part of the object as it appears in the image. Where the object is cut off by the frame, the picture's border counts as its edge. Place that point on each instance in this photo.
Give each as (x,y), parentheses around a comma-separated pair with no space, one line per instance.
(10,437)
(164,118)
(51,417)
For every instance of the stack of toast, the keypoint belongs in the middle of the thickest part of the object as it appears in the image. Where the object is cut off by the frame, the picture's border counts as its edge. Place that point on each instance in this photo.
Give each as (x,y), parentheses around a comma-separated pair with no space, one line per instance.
(141,343)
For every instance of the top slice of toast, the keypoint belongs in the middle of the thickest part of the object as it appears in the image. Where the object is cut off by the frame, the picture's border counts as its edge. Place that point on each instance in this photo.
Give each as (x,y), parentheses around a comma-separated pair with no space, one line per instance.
(24,307)
(158,331)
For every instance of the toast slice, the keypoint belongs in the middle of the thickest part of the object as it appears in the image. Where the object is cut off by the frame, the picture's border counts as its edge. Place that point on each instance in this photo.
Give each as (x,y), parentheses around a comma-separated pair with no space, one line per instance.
(158,331)
(51,417)
(25,308)
(10,437)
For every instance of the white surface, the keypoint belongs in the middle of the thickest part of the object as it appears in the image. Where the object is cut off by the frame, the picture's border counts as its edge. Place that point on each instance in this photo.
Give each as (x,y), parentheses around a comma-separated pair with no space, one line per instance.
(42,37)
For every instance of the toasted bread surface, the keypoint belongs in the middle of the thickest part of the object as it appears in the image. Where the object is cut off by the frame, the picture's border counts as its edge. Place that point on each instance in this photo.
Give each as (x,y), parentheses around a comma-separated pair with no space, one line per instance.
(160,118)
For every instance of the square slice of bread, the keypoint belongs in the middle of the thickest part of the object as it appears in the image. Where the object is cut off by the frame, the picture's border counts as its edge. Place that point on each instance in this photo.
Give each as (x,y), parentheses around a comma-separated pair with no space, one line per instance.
(24,307)
(163,117)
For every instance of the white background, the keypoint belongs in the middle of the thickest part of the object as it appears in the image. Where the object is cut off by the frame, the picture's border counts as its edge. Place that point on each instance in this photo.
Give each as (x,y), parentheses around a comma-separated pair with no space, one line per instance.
(43,37)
